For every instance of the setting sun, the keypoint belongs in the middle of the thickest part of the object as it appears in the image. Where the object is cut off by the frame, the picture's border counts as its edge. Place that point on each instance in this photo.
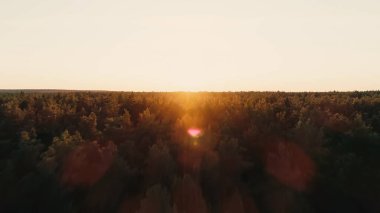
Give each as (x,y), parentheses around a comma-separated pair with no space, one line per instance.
(204,106)
(195,45)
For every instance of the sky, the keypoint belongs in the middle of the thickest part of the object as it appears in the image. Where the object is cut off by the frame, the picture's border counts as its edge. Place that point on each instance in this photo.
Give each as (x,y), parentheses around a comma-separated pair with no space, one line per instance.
(190,45)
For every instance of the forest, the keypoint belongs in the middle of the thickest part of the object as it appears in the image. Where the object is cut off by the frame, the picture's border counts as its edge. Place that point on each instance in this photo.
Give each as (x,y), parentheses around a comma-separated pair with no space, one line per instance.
(178,152)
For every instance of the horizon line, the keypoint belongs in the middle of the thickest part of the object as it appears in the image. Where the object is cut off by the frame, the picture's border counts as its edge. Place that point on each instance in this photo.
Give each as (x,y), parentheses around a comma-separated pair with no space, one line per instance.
(184,91)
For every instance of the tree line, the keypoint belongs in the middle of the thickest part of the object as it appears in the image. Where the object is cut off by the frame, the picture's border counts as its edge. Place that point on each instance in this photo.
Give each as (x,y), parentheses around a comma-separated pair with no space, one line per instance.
(132,152)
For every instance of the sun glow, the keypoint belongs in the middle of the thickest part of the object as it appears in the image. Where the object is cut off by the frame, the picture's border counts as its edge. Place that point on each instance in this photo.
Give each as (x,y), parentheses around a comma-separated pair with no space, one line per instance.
(194,132)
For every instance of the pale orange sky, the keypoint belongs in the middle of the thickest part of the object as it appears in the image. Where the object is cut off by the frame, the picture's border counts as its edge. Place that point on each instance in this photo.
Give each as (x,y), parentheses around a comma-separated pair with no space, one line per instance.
(171,45)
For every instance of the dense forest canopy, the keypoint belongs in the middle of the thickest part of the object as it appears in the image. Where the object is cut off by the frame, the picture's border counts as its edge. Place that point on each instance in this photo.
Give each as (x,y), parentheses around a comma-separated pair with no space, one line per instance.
(189,152)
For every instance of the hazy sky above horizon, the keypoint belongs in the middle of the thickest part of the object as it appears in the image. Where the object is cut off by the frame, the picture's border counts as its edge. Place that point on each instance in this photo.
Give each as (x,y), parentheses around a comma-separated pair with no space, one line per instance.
(166,45)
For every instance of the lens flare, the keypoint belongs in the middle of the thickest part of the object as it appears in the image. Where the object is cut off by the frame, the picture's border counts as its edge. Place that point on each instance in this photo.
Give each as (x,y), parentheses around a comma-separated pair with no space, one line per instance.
(194,132)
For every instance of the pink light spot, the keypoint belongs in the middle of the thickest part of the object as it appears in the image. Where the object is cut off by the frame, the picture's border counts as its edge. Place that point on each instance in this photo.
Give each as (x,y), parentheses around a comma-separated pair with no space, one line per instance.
(194,132)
